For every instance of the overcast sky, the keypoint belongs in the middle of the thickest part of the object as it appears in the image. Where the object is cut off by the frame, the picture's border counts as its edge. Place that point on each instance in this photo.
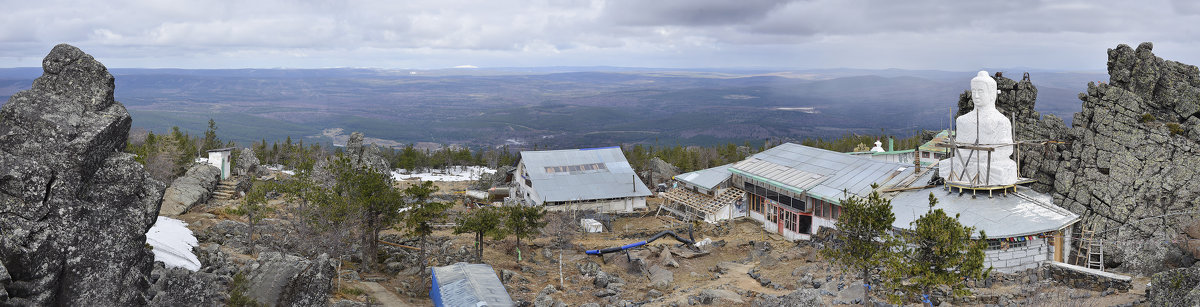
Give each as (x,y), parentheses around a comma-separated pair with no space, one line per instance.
(917,34)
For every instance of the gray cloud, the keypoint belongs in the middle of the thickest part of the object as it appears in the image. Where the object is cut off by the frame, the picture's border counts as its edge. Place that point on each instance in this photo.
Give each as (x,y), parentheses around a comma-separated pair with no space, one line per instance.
(688,12)
(696,33)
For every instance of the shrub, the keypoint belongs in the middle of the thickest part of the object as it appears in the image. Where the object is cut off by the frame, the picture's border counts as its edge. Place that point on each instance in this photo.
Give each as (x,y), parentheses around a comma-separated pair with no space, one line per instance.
(1146,118)
(1175,128)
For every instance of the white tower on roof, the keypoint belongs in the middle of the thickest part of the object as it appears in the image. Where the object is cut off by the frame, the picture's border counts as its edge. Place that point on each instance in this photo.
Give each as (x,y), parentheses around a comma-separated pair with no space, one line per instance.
(988,133)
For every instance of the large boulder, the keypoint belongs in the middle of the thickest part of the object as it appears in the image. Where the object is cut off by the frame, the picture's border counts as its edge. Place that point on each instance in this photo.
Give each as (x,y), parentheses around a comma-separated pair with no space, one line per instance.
(247,163)
(193,188)
(75,208)
(1129,155)
(287,280)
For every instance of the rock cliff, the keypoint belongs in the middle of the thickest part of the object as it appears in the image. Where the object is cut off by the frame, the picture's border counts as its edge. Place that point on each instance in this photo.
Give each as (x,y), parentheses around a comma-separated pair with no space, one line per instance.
(193,188)
(1128,158)
(74,210)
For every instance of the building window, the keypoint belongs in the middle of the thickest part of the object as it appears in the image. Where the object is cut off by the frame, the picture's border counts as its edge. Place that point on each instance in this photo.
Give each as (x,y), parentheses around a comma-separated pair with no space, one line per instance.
(1004,244)
(756,203)
(837,211)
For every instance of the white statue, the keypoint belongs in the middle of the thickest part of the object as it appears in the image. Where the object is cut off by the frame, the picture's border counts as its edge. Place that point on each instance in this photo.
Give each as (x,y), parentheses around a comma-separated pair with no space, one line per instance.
(878,146)
(986,126)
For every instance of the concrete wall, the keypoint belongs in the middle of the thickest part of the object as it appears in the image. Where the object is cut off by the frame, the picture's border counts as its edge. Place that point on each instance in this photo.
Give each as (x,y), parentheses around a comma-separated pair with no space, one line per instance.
(1021,258)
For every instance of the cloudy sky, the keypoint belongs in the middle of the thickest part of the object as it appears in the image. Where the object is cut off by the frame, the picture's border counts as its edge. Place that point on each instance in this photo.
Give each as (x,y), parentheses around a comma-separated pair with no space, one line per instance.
(423,34)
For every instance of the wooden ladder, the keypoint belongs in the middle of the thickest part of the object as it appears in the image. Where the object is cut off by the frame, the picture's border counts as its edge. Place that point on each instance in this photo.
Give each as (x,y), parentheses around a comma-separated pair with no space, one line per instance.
(1090,251)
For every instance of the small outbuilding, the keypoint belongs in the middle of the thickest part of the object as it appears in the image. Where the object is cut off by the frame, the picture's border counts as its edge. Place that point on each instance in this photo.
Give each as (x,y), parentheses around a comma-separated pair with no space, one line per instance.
(468,285)
(704,195)
(221,158)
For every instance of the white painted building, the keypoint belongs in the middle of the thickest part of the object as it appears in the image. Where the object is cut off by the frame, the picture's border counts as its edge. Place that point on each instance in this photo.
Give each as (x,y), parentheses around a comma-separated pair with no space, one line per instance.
(598,179)
(793,189)
(221,159)
(1024,228)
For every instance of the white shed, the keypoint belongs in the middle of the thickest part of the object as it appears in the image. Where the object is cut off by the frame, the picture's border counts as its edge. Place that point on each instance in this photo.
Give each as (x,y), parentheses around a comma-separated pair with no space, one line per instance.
(220,158)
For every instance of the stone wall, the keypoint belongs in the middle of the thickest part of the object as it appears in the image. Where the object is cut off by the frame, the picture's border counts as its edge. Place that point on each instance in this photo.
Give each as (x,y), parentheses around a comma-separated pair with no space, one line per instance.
(1085,278)
(1016,259)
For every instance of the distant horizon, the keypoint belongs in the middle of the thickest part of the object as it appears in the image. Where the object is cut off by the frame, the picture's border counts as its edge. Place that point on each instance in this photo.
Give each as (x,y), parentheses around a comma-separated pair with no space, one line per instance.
(585,68)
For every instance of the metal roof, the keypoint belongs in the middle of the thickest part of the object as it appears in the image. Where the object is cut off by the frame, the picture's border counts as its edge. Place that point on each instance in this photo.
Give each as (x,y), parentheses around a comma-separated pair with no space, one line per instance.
(707,178)
(821,173)
(468,285)
(1023,213)
(615,180)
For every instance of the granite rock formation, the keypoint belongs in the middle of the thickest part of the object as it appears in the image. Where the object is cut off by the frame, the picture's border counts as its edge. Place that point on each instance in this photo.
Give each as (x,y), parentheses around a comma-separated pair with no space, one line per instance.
(1128,158)
(193,188)
(287,280)
(365,155)
(74,210)
(247,163)
(368,156)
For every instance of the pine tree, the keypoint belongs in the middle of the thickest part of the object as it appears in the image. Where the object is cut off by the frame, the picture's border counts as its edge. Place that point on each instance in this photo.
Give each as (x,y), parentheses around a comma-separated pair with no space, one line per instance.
(418,219)
(482,222)
(938,252)
(254,208)
(863,241)
(523,222)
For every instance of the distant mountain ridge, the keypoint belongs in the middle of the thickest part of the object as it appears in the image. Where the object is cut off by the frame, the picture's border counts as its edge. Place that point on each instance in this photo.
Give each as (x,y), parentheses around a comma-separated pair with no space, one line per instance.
(554,106)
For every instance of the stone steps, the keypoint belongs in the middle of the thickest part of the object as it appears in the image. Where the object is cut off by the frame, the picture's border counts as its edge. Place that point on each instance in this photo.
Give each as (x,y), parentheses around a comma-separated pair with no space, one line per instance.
(226,190)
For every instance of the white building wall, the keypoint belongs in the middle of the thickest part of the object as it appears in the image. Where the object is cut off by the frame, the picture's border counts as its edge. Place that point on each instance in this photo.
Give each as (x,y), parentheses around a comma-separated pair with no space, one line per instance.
(817,222)
(221,160)
(1016,259)
(627,204)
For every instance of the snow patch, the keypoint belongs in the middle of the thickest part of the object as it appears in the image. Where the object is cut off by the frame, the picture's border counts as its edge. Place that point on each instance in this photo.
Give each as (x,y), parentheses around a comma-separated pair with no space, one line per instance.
(173,243)
(455,173)
(279,168)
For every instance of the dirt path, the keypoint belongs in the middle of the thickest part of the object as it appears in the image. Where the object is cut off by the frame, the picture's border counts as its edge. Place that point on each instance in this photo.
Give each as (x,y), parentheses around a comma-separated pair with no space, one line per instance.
(383,296)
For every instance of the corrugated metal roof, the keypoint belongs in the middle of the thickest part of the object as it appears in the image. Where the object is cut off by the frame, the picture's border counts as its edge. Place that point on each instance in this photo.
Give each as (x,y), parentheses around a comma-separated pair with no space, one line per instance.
(1000,217)
(615,180)
(822,173)
(707,178)
(467,285)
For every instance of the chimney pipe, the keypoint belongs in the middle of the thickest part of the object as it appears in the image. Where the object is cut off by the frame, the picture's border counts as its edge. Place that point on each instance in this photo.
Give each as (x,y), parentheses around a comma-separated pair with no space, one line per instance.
(890,141)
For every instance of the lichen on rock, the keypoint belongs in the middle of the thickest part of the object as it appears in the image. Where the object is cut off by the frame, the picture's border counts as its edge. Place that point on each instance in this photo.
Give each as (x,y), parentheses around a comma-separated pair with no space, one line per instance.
(74,209)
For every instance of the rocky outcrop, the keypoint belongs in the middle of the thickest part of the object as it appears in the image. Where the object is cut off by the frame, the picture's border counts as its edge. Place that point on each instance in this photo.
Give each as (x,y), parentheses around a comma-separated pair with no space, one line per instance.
(287,280)
(365,155)
(74,210)
(1129,155)
(180,287)
(247,163)
(369,157)
(193,188)
(1177,287)
(660,171)
(487,181)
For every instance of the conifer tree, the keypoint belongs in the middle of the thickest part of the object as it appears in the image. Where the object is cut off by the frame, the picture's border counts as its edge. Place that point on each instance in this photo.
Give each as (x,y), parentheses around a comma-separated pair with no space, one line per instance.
(938,252)
(421,213)
(523,222)
(863,243)
(482,222)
